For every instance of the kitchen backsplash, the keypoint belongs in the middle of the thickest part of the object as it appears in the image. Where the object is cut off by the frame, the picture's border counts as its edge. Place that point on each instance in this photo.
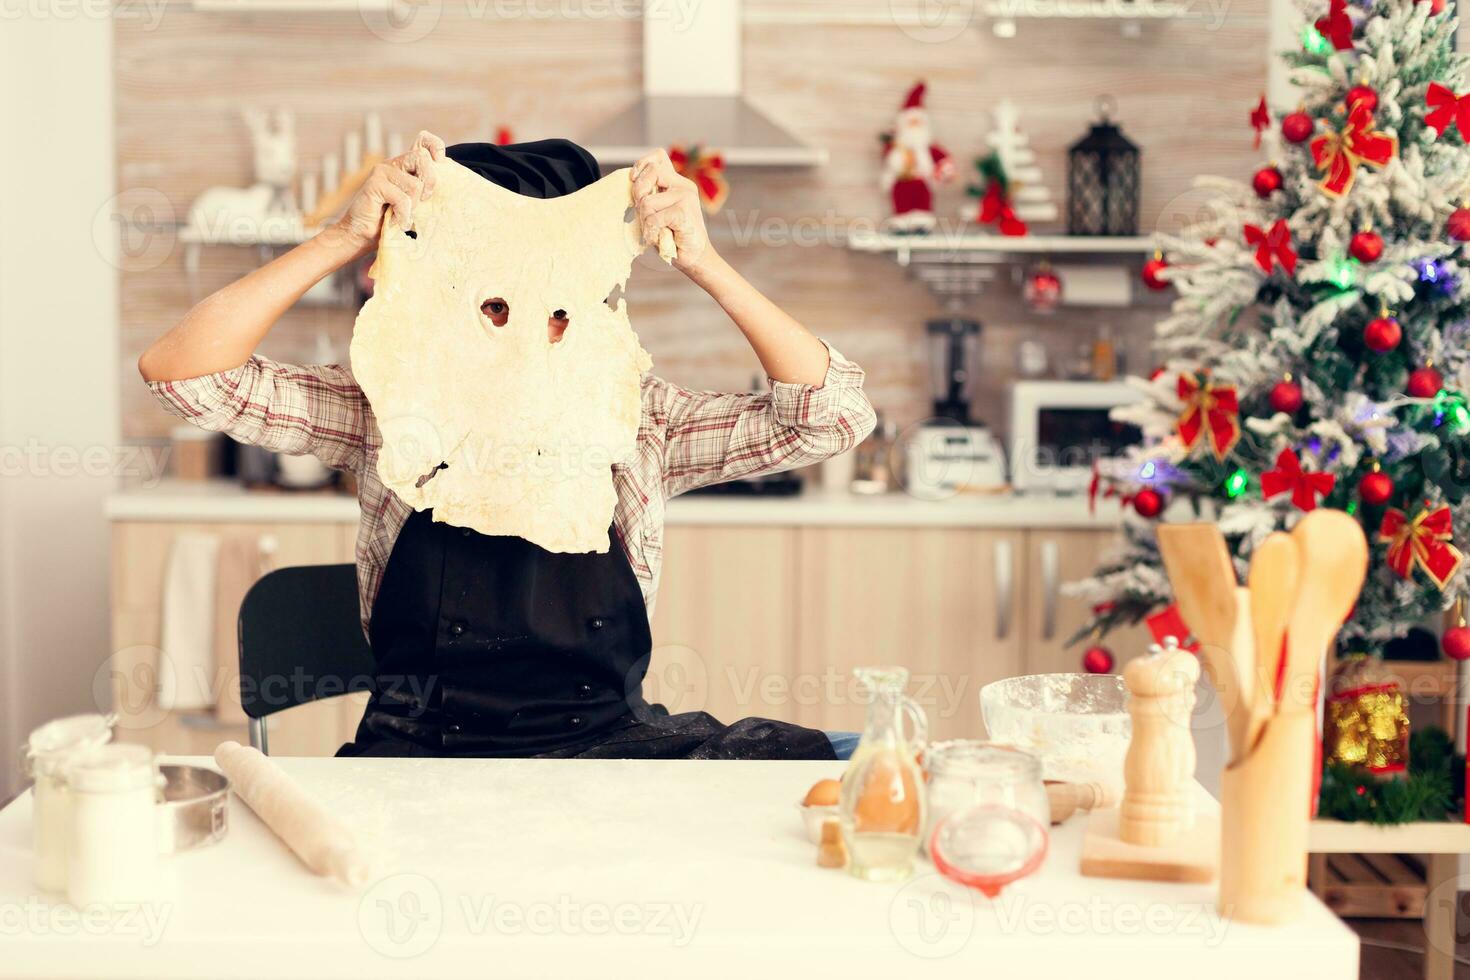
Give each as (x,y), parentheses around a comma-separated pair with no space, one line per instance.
(1183,90)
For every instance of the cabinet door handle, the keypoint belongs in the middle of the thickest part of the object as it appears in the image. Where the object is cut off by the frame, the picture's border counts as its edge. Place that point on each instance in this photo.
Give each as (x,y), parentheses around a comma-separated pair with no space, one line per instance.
(1004,588)
(1049,558)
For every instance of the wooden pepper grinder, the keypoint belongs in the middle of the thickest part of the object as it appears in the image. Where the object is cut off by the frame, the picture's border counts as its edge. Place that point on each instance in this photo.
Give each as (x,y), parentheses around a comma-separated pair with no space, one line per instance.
(1158,772)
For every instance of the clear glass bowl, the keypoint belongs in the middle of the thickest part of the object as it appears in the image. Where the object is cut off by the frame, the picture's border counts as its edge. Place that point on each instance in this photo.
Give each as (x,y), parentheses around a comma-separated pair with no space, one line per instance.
(1076,724)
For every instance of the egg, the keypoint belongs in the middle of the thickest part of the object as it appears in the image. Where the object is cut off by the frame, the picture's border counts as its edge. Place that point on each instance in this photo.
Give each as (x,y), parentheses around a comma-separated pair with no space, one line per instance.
(889,799)
(824,792)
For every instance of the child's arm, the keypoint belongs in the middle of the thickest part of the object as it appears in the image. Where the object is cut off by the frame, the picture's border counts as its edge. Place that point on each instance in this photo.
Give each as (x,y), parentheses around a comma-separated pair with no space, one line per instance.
(786,349)
(816,407)
(223,330)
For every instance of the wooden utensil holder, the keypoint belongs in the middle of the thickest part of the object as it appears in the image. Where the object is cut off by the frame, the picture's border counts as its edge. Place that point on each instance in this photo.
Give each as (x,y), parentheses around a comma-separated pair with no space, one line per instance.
(1263,835)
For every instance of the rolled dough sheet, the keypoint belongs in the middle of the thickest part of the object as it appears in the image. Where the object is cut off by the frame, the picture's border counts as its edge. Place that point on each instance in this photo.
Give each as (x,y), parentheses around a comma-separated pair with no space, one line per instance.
(526,431)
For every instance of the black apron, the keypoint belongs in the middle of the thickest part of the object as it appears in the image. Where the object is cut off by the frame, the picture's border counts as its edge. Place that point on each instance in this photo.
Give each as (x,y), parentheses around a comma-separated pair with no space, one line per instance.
(492,646)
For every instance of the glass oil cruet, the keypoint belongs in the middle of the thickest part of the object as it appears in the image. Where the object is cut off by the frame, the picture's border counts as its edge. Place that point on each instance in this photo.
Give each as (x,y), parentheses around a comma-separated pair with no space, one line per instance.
(881,807)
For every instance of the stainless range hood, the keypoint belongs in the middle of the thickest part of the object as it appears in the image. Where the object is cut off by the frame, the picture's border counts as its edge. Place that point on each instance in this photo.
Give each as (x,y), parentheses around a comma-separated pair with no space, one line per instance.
(692,94)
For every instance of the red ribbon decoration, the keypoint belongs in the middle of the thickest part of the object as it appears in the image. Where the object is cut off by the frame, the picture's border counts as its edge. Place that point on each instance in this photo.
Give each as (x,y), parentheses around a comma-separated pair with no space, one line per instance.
(1289,476)
(1209,410)
(1358,142)
(1447,107)
(1337,26)
(1168,622)
(1425,541)
(1260,119)
(706,169)
(1274,244)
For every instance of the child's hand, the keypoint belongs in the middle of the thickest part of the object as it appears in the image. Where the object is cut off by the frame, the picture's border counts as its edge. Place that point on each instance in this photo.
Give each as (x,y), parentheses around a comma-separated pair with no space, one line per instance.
(399,183)
(663,199)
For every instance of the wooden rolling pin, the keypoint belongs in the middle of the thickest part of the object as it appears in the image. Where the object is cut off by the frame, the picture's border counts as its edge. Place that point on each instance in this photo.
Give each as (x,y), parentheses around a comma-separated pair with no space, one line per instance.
(1067,798)
(320,840)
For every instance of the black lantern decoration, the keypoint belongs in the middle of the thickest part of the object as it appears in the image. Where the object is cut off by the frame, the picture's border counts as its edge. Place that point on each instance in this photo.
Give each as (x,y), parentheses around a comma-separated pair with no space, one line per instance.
(1103,180)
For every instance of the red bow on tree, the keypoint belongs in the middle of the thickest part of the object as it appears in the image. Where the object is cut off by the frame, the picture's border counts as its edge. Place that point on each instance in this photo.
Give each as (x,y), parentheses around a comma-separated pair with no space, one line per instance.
(1260,119)
(706,169)
(1340,153)
(1337,26)
(1209,410)
(1289,476)
(1425,541)
(1446,107)
(1274,244)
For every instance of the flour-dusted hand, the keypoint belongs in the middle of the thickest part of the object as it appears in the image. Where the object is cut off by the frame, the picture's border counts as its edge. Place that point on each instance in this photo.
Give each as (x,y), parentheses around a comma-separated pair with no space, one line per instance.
(399,183)
(664,200)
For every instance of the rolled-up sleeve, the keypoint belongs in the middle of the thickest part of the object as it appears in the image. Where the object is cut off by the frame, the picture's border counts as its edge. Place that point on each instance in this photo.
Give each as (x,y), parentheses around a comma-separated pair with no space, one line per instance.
(286,408)
(711,437)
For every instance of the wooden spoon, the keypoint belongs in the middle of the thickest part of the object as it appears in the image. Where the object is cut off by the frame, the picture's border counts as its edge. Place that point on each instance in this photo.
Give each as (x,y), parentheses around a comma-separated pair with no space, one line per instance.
(1203,579)
(1273,587)
(1333,558)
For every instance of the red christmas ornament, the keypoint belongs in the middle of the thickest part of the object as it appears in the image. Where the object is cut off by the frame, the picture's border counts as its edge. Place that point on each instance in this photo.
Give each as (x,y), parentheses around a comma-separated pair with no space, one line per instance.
(1297,127)
(1458,224)
(1148,503)
(1266,182)
(1362,94)
(1366,247)
(1286,396)
(1424,382)
(1043,290)
(1150,274)
(1383,335)
(1376,488)
(1456,643)
(1099,660)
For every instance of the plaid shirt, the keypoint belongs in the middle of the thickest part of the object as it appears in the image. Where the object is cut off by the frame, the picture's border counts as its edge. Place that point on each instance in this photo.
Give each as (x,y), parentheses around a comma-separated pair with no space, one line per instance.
(686,439)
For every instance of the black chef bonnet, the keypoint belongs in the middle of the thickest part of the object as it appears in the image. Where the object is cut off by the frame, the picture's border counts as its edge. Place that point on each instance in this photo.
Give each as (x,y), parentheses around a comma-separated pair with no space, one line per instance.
(545,168)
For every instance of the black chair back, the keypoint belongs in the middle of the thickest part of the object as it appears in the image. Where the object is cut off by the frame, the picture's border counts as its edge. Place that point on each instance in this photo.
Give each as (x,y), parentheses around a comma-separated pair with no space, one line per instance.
(301,640)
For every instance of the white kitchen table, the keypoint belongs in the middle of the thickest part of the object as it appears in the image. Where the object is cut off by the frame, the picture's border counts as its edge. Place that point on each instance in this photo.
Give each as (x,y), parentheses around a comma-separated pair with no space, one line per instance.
(520,868)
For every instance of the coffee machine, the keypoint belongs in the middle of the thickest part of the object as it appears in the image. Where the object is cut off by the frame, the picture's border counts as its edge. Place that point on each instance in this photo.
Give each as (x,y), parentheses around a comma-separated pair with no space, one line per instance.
(953,451)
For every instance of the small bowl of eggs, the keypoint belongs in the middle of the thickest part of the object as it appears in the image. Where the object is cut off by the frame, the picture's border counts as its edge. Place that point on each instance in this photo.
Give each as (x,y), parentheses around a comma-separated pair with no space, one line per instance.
(819,806)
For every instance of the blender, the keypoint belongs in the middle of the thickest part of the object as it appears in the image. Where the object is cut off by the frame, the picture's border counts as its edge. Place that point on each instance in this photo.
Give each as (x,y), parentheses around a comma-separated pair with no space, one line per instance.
(953,452)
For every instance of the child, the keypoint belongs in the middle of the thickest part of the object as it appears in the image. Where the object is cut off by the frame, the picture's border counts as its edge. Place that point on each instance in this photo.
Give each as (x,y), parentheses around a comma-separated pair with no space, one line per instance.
(489,645)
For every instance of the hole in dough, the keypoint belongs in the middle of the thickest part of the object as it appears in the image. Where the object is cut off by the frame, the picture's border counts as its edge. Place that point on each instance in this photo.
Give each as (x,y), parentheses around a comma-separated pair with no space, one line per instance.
(431,474)
(411,233)
(615,297)
(496,310)
(556,325)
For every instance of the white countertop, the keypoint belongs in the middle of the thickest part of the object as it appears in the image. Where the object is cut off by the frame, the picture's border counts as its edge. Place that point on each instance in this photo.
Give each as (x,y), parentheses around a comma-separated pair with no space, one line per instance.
(521,868)
(220,500)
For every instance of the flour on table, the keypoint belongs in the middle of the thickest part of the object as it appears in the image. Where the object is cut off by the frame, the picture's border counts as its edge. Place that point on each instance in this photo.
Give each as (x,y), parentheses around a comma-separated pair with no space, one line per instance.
(494,427)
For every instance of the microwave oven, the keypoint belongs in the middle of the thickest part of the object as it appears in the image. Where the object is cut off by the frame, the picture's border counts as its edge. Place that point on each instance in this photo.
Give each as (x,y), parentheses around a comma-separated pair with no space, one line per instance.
(1061,429)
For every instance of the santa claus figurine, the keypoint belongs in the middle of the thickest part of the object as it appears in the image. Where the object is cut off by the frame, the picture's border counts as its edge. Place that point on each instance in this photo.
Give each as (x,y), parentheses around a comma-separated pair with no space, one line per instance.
(912,164)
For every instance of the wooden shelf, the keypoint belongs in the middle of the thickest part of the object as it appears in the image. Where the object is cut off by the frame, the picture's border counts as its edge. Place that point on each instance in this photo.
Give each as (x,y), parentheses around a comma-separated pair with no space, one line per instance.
(1437,837)
(939,244)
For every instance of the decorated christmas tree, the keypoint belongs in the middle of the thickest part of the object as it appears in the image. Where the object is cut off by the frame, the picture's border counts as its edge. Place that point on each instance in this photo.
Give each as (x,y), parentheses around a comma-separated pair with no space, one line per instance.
(1318,349)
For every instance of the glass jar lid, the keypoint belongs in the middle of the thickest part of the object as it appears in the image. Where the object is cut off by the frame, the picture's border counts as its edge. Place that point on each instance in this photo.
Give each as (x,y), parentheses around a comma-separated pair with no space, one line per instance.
(49,746)
(118,767)
(968,758)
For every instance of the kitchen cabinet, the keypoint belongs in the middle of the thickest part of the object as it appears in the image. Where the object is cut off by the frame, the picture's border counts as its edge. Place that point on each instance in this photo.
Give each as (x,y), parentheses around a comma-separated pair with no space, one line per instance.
(945,602)
(1054,558)
(140,552)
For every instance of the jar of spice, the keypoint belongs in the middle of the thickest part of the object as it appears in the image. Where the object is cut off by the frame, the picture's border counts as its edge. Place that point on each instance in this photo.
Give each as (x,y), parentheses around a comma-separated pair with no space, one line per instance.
(114,838)
(43,759)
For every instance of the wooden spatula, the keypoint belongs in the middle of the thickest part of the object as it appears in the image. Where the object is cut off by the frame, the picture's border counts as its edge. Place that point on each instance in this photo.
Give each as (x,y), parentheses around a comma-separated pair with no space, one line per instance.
(1333,556)
(1273,587)
(1203,579)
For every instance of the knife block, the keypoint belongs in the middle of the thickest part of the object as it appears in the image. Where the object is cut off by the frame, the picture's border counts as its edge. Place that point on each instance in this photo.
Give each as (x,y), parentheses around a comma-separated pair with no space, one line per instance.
(1266,801)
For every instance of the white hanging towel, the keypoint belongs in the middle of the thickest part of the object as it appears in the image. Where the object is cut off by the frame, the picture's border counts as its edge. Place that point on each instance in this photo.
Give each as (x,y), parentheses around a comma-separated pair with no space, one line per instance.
(186,668)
